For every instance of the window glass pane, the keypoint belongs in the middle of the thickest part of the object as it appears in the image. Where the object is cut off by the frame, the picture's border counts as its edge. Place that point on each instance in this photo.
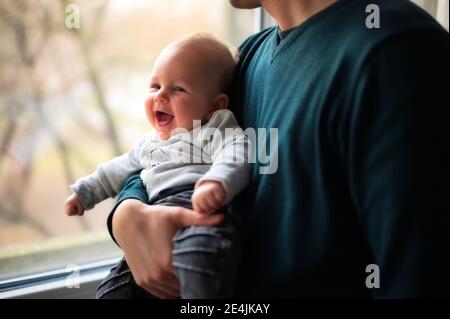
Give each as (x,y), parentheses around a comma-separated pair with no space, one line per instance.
(71,98)
(437,8)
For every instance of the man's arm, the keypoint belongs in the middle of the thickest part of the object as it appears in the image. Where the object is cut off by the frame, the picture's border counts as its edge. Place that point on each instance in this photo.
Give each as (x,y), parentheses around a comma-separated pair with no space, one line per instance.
(397,156)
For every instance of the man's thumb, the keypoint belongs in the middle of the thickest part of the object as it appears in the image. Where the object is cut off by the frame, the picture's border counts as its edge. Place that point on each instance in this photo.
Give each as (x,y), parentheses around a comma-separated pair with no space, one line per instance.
(192,218)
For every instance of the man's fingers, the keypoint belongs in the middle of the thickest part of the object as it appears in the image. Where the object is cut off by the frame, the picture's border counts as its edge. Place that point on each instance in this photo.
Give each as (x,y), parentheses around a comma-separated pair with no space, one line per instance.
(171,292)
(158,293)
(167,287)
(171,284)
(172,279)
(187,217)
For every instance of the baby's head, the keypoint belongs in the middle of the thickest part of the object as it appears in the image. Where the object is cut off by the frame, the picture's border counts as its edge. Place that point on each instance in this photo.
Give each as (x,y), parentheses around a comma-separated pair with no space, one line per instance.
(189,81)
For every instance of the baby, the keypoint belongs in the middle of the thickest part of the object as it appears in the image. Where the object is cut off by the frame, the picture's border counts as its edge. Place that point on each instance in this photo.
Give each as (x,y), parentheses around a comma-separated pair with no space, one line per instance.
(196,158)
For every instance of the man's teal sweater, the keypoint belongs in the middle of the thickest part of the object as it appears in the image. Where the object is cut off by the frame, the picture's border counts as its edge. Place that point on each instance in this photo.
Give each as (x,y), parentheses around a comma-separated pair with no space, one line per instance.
(362,119)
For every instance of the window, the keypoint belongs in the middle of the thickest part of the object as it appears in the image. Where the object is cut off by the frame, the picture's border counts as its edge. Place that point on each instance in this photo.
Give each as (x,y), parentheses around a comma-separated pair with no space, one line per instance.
(437,8)
(71,98)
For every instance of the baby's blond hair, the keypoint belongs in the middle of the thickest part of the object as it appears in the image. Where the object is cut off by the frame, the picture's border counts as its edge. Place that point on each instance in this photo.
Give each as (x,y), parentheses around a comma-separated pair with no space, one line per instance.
(225,56)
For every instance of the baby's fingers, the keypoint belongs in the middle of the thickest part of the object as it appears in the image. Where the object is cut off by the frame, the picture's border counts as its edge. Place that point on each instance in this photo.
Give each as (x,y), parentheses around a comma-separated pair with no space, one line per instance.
(211,203)
(199,205)
(71,210)
(80,210)
(219,197)
(74,209)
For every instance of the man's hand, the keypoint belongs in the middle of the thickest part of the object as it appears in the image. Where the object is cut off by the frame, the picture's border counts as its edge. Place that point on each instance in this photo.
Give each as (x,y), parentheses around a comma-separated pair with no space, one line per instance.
(145,233)
(73,206)
(208,196)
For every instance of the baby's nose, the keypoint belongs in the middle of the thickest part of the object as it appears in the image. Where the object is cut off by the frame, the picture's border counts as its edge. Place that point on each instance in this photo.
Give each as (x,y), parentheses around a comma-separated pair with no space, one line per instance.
(161,97)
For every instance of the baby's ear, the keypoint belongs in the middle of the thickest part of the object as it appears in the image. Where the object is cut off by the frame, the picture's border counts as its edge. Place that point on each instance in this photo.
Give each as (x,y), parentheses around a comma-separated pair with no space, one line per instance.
(220,102)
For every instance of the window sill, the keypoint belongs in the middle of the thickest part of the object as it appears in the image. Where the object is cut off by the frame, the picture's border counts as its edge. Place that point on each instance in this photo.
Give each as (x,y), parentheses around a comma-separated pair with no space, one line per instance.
(58,283)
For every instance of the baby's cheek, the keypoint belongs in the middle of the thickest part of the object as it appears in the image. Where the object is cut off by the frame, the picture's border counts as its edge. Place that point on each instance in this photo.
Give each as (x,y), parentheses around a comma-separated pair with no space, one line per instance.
(186,116)
(184,120)
(148,107)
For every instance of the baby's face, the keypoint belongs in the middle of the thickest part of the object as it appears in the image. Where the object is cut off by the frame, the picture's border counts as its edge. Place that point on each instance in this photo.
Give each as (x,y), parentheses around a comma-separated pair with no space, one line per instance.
(180,91)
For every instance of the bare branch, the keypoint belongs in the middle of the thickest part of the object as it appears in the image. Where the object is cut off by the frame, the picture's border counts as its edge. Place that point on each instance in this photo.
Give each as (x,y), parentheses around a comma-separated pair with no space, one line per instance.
(98,20)
(95,81)
(47,28)
(7,17)
(8,135)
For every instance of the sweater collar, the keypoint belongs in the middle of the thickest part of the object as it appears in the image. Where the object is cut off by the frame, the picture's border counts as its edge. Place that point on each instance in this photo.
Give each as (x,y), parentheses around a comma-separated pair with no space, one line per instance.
(278,46)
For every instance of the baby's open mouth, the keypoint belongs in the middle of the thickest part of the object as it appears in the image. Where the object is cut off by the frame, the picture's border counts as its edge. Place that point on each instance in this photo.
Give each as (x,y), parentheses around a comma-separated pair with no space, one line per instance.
(163,119)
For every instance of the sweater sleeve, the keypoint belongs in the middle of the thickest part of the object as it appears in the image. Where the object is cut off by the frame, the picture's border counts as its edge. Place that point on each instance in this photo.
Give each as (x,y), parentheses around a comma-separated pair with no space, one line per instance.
(107,179)
(397,158)
(229,149)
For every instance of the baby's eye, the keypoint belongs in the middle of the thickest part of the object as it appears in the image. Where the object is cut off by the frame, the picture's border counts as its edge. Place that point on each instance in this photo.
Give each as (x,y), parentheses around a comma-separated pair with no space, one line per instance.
(155,86)
(178,89)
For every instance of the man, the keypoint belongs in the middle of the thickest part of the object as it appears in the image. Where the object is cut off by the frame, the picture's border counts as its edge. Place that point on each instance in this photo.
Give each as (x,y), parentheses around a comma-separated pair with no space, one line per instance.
(362,179)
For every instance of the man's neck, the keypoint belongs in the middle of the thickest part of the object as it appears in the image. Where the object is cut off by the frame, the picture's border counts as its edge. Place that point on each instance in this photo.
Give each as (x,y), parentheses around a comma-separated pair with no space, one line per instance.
(291,13)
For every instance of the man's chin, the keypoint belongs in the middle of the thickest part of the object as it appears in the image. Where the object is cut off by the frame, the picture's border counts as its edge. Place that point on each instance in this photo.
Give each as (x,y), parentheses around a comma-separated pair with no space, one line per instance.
(245,4)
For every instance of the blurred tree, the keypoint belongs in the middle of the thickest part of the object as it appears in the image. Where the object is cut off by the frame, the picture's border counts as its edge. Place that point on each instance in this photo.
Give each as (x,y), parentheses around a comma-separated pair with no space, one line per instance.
(25,21)
(86,40)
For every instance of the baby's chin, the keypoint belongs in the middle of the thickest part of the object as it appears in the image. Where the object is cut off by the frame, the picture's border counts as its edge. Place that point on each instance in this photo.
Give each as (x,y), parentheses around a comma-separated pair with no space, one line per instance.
(164,136)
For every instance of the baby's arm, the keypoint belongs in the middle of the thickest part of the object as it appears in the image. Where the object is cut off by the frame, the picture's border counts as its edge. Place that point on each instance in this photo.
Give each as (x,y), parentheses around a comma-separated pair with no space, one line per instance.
(230,170)
(104,183)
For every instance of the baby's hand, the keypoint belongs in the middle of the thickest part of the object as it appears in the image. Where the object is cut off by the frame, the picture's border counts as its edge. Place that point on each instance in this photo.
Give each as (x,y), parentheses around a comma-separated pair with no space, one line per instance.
(73,206)
(208,197)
